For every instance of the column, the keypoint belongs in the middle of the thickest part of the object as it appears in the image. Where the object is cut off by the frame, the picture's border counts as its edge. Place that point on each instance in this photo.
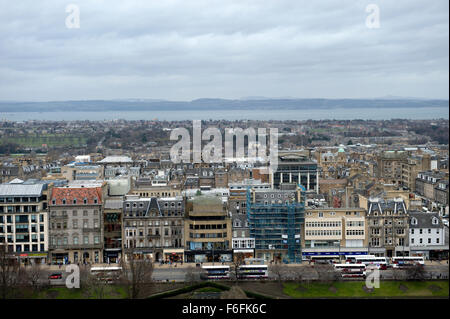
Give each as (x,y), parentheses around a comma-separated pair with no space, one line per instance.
(317,182)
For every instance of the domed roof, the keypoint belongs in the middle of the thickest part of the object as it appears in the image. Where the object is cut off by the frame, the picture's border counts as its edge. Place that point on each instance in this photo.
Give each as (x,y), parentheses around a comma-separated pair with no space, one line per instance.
(341,150)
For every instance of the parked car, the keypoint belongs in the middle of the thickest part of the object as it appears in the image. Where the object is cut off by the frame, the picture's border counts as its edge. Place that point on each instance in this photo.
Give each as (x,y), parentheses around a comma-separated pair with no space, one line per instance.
(55,276)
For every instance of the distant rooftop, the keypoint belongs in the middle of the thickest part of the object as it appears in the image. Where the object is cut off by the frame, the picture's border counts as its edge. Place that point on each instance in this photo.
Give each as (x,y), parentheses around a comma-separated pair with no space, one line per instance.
(116,159)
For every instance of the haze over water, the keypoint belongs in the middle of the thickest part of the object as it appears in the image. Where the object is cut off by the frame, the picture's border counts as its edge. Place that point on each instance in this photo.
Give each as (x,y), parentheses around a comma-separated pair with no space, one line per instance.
(425,113)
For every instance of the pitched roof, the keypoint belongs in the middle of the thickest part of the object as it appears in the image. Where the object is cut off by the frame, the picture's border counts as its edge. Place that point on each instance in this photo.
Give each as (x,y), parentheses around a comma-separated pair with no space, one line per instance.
(71,193)
(424,220)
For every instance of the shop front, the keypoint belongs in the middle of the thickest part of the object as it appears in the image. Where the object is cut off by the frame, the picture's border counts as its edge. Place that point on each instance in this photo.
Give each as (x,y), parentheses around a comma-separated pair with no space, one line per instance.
(208,256)
(59,257)
(32,258)
(112,256)
(173,255)
(243,254)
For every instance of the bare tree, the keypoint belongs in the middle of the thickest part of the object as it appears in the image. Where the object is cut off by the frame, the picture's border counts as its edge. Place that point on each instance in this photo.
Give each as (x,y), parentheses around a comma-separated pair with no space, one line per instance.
(33,277)
(193,275)
(298,272)
(399,274)
(136,275)
(280,271)
(416,272)
(95,286)
(9,273)
(327,273)
(238,260)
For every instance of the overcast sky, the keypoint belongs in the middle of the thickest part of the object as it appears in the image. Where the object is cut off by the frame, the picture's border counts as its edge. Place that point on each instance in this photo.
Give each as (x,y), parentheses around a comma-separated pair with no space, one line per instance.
(188,49)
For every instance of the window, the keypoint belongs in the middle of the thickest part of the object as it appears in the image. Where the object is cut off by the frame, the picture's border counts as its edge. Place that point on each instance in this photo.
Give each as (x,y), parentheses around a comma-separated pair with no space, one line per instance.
(75,223)
(86,240)
(429,240)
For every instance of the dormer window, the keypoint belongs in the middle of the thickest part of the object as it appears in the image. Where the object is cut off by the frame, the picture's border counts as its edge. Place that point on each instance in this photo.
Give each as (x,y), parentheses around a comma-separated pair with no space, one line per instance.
(64,201)
(435,221)
(95,200)
(53,201)
(85,201)
(74,201)
(414,221)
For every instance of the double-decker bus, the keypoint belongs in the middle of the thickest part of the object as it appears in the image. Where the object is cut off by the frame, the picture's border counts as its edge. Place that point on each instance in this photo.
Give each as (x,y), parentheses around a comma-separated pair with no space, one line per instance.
(252,272)
(351,270)
(406,261)
(325,259)
(351,259)
(371,261)
(216,272)
(107,274)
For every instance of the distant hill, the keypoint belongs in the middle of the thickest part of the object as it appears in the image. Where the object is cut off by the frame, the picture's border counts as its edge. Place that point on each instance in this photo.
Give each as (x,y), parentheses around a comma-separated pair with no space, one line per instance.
(216,104)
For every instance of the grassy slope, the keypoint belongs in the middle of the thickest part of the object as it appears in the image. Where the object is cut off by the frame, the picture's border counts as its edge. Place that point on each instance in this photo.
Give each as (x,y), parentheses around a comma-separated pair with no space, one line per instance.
(355,289)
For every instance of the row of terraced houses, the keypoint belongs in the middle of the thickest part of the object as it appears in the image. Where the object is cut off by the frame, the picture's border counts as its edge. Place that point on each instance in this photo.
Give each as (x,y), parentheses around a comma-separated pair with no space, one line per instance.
(50,222)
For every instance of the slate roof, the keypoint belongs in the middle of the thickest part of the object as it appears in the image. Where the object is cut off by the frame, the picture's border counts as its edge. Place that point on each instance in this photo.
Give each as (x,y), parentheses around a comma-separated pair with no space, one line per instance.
(424,220)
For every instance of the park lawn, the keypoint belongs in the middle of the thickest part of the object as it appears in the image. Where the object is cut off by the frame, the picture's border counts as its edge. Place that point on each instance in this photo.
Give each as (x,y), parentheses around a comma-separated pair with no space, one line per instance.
(51,140)
(111,292)
(346,289)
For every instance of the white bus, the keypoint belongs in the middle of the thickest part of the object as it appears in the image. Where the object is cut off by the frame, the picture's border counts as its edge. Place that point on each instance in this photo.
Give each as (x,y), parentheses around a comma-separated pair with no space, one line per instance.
(351,270)
(107,274)
(325,259)
(252,272)
(352,258)
(216,272)
(371,261)
(406,261)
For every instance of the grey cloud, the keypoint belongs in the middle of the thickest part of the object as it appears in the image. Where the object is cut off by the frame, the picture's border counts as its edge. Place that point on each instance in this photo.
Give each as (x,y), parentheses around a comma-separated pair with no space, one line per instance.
(187,49)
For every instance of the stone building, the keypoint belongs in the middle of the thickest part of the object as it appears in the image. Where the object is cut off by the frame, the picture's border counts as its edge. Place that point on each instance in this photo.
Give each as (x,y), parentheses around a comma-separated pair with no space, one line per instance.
(388,227)
(207,230)
(153,227)
(76,224)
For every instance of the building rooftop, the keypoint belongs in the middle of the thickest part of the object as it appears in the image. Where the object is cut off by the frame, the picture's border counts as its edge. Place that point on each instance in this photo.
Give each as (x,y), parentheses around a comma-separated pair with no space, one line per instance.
(12,190)
(116,159)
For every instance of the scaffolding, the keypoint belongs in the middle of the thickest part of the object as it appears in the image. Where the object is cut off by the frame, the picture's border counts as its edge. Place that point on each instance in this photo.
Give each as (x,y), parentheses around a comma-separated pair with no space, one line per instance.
(277,226)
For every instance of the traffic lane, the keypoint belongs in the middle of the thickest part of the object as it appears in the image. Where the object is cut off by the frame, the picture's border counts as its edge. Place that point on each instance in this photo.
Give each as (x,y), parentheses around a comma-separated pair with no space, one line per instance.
(164,274)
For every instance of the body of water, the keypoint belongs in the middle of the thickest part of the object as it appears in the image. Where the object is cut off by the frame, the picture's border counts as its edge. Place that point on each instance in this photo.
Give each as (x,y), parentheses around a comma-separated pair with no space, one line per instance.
(426,113)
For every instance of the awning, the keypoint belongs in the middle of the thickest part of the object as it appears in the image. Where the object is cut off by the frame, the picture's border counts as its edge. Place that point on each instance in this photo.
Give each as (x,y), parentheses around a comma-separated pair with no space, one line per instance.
(173,251)
(243,251)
